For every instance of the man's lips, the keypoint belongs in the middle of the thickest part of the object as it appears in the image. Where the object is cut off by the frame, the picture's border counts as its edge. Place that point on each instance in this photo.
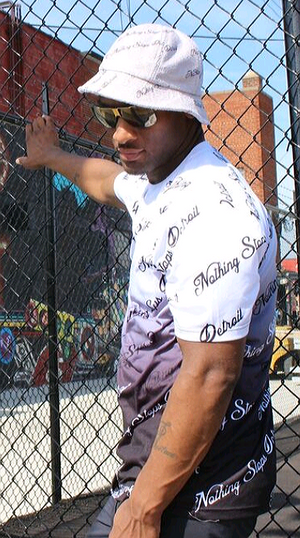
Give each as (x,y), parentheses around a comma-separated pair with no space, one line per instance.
(130,154)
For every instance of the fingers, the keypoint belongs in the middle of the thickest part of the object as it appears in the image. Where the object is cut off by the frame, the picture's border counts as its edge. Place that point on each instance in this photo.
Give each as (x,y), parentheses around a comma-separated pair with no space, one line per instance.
(48,120)
(39,124)
(21,161)
(26,163)
(41,139)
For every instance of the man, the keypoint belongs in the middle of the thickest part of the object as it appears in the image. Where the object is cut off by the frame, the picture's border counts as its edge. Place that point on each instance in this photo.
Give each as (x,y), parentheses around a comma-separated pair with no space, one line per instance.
(198,445)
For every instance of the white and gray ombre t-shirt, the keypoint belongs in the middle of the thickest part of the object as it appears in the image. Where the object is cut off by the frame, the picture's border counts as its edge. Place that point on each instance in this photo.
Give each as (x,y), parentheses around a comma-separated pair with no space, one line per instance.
(203,269)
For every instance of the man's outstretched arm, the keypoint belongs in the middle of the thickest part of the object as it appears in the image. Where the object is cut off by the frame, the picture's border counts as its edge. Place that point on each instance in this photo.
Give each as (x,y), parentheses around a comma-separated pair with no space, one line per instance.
(92,175)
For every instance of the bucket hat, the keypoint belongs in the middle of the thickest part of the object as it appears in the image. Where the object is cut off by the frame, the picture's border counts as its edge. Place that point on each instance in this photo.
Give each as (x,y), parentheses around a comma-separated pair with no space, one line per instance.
(152,66)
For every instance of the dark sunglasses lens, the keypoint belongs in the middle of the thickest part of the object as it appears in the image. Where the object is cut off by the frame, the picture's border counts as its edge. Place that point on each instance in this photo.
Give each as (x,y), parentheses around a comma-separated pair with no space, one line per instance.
(131,118)
(106,116)
(139,117)
(143,117)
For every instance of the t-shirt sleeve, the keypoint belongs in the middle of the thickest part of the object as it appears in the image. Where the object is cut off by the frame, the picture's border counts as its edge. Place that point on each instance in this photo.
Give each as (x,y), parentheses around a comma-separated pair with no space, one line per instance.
(120,187)
(128,188)
(212,280)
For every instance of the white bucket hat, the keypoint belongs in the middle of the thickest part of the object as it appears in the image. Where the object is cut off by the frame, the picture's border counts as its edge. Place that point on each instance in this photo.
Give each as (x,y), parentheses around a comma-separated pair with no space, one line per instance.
(152,66)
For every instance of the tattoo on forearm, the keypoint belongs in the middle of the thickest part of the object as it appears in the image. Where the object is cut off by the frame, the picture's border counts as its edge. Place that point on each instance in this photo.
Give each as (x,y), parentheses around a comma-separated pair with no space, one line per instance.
(162,430)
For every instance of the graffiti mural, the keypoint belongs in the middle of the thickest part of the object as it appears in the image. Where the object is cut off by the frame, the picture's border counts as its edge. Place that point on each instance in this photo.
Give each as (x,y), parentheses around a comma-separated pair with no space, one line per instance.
(86,347)
(92,263)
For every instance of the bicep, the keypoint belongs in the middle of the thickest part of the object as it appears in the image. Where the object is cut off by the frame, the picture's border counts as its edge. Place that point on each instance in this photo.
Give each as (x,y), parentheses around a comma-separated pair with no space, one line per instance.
(202,392)
(98,178)
(218,363)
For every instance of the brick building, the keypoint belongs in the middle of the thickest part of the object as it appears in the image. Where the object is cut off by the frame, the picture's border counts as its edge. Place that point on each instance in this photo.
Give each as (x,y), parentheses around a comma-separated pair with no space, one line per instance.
(242,129)
(34,68)
(31,59)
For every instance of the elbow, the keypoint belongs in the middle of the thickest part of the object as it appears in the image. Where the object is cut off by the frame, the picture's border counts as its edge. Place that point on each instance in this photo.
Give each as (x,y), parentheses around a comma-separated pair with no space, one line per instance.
(222,382)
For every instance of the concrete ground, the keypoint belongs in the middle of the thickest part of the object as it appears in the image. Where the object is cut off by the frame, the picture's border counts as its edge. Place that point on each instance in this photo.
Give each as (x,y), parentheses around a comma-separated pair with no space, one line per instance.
(71,518)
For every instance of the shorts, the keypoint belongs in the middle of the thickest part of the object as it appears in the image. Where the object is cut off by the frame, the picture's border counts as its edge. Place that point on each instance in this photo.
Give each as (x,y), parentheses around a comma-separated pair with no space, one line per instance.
(177,527)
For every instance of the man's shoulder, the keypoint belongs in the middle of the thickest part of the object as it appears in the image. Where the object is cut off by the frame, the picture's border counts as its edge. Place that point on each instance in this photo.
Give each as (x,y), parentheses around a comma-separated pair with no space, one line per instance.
(206,158)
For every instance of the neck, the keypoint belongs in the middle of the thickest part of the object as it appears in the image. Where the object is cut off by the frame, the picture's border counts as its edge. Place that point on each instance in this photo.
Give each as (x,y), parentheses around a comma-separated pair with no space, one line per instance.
(197,135)
(193,136)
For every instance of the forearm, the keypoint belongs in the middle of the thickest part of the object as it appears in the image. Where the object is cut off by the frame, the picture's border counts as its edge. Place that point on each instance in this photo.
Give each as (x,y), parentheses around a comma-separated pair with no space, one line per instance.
(91,175)
(94,176)
(189,424)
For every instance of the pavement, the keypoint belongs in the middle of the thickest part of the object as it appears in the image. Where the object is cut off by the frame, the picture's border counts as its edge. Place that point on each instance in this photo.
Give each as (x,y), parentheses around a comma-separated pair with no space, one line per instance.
(285,399)
(71,518)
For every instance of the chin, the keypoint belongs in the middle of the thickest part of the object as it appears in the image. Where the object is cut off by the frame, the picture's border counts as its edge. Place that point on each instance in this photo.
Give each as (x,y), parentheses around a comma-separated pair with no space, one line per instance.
(132,170)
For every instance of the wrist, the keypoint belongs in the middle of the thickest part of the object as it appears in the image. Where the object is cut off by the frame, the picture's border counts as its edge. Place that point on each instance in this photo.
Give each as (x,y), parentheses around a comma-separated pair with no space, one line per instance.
(145,506)
(54,154)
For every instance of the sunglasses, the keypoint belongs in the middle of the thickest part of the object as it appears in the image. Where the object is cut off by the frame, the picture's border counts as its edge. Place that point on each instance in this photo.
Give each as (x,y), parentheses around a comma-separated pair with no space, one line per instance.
(136,116)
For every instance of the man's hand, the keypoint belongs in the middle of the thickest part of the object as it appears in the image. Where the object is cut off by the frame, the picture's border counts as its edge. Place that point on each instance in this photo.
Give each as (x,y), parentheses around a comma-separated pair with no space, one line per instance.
(41,140)
(127,523)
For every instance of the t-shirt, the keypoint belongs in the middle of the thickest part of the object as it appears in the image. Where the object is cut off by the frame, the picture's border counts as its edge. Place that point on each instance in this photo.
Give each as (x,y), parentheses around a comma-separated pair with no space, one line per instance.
(203,269)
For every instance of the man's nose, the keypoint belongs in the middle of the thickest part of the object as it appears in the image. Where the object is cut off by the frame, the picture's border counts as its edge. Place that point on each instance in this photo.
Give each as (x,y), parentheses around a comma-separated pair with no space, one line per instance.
(124,132)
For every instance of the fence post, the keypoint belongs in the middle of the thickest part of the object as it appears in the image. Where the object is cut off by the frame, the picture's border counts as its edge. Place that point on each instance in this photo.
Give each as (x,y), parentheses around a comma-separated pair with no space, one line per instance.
(52,324)
(291,17)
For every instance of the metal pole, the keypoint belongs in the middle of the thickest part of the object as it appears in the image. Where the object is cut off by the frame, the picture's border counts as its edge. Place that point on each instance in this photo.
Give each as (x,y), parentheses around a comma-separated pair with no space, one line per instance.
(52,325)
(291,17)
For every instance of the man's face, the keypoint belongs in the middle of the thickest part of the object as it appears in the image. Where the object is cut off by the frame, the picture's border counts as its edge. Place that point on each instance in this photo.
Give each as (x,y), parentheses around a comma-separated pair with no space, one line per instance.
(155,150)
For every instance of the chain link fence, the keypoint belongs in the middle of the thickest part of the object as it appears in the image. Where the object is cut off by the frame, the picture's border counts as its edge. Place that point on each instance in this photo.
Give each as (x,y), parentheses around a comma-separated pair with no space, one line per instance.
(64,260)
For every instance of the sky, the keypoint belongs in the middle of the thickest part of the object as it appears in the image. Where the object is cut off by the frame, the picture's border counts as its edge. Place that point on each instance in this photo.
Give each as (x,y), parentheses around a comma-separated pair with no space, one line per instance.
(234,36)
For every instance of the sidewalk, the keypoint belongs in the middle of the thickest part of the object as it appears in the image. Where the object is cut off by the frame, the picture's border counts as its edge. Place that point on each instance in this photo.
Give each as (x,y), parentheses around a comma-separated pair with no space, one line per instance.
(69,519)
(72,518)
(285,399)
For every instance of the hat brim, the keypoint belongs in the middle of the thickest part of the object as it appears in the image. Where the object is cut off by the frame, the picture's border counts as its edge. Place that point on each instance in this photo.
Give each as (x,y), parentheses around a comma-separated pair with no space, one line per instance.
(125,88)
